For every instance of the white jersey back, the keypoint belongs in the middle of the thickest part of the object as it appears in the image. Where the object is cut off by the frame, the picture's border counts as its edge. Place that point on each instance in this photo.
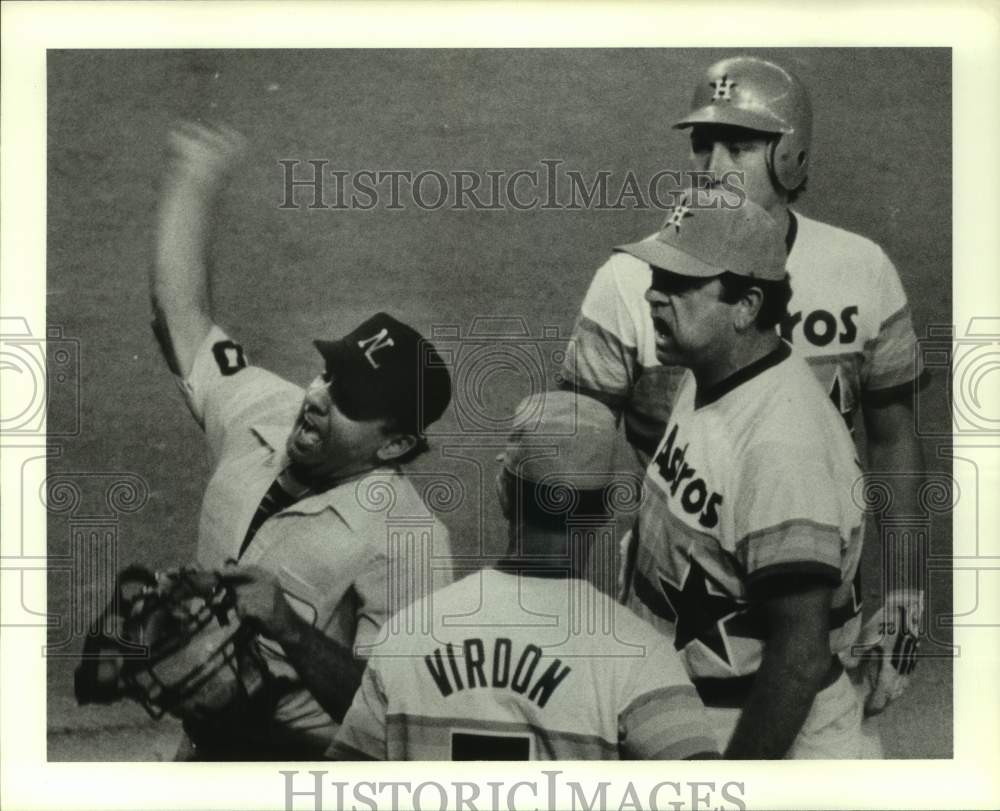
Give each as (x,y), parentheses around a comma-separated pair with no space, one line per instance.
(511,671)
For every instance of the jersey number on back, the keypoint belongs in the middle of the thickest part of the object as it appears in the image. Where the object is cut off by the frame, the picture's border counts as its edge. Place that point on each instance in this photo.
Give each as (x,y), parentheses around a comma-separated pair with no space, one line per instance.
(479,746)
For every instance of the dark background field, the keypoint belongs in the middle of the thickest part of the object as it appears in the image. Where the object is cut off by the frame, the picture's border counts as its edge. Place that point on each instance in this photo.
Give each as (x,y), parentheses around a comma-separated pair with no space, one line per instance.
(882,167)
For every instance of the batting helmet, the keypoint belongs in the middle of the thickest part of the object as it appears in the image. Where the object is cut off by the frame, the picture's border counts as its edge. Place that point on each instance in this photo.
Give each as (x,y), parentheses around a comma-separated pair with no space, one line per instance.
(759,95)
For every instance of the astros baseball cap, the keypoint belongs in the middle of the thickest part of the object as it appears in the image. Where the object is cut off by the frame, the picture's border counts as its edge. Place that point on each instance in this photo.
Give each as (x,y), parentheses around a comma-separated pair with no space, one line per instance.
(384,369)
(715,238)
(564,459)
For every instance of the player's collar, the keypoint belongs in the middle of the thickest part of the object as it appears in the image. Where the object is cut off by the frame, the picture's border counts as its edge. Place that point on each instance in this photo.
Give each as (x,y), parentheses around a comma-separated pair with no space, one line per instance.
(709,395)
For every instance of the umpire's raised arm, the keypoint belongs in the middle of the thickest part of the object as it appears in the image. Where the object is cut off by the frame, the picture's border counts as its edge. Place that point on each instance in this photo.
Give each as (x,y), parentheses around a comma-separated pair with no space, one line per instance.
(200,161)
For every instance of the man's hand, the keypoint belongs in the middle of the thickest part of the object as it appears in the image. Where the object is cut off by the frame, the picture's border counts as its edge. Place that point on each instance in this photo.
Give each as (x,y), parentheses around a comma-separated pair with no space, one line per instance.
(327,669)
(260,600)
(204,156)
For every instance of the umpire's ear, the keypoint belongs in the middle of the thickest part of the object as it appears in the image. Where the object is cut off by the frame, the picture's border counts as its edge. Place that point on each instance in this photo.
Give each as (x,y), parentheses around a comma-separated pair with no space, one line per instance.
(504,482)
(746,308)
(396,446)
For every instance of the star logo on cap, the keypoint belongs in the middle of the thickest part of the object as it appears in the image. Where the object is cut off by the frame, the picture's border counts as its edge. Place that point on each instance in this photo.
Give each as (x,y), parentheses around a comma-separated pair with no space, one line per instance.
(722,88)
(681,210)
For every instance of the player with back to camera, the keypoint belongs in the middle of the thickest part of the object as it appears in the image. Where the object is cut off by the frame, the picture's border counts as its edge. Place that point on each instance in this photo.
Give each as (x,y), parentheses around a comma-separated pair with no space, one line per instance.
(281,517)
(508,671)
(849,315)
(748,540)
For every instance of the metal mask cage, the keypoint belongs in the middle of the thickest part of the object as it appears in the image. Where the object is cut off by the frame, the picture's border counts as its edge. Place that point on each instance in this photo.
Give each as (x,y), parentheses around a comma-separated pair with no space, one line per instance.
(189,611)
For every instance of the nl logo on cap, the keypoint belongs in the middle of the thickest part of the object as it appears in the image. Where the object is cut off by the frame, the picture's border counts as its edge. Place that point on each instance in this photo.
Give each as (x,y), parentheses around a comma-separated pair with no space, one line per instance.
(380,340)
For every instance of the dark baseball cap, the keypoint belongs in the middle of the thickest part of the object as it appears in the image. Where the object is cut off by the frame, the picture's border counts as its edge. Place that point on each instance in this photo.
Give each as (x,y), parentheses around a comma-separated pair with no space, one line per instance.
(385,369)
(715,237)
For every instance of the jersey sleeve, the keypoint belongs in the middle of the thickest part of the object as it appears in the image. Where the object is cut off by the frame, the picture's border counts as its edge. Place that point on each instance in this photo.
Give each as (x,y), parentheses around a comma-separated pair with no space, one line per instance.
(890,358)
(223,390)
(363,732)
(602,351)
(372,590)
(664,718)
(789,531)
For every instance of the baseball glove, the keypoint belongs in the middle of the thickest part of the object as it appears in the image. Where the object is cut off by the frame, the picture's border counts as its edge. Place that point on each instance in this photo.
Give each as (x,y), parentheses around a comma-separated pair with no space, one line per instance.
(886,651)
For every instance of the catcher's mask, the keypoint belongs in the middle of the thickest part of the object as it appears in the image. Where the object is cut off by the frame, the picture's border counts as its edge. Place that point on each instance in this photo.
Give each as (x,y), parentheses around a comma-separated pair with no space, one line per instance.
(173,643)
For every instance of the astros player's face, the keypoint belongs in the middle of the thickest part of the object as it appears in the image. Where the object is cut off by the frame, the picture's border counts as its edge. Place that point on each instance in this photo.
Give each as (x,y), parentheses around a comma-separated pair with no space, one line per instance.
(324,442)
(690,321)
(721,149)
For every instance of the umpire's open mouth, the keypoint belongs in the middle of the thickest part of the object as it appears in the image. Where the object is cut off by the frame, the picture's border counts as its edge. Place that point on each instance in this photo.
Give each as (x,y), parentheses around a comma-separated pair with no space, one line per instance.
(305,436)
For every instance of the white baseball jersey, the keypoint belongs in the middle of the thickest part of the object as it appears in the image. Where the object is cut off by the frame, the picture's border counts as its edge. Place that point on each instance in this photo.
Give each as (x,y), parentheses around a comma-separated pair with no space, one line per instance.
(848,317)
(751,484)
(515,668)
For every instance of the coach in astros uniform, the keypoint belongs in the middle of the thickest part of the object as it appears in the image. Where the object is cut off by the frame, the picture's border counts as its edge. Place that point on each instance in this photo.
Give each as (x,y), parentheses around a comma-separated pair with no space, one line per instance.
(511,670)
(289,464)
(748,541)
(848,313)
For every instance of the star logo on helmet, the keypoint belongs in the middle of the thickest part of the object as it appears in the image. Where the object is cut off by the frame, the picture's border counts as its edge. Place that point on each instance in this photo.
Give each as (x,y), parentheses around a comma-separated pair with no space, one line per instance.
(722,88)
(681,210)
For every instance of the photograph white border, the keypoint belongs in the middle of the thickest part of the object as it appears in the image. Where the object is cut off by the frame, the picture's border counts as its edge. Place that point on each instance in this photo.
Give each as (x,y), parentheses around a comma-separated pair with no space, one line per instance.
(972,29)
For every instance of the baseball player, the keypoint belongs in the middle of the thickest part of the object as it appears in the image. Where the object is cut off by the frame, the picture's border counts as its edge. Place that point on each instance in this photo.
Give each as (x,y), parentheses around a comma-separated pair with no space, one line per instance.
(506,672)
(748,540)
(282,519)
(848,315)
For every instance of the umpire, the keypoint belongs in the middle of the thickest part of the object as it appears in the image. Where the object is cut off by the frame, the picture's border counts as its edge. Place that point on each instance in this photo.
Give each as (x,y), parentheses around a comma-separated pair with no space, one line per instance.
(281,515)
